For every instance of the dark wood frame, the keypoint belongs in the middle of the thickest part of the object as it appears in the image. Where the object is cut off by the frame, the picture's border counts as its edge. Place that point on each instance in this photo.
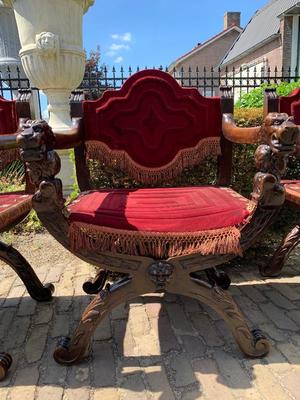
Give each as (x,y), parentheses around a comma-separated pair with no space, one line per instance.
(180,274)
(292,239)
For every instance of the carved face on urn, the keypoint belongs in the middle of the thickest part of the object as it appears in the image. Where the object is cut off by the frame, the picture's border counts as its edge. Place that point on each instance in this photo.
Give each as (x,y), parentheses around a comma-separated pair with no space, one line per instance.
(47,43)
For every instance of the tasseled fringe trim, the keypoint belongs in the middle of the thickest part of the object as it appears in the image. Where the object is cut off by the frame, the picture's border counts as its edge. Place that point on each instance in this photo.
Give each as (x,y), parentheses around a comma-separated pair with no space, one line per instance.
(120,159)
(154,244)
(15,211)
(8,156)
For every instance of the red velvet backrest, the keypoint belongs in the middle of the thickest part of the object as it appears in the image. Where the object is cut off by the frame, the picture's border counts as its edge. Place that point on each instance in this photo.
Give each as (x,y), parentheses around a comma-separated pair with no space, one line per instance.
(152,118)
(8,116)
(291,105)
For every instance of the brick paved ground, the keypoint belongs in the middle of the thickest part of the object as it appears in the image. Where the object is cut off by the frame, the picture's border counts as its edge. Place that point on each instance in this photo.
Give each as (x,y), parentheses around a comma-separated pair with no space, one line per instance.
(158,347)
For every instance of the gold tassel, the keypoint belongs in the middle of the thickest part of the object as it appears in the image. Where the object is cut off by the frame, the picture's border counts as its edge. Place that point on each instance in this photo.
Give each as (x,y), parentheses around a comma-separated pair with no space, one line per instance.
(120,159)
(154,244)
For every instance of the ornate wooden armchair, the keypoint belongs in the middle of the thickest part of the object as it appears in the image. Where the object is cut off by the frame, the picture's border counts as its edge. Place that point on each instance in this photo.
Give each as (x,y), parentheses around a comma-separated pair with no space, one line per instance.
(15,206)
(158,239)
(291,106)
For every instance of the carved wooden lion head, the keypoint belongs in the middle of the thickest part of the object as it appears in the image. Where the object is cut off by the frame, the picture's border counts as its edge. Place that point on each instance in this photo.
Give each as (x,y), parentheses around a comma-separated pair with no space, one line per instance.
(279,132)
(35,140)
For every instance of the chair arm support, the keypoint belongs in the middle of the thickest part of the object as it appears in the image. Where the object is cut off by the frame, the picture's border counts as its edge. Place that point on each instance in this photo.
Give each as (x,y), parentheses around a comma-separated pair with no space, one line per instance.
(8,141)
(37,142)
(71,138)
(277,137)
(237,134)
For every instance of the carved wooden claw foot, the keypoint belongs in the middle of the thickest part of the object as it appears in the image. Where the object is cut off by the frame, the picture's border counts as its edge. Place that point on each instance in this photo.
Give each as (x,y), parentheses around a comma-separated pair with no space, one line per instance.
(66,356)
(261,345)
(5,363)
(95,285)
(44,294)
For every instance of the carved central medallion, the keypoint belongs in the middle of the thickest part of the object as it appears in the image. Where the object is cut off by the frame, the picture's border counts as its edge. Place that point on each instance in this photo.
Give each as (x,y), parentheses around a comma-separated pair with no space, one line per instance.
(161,274)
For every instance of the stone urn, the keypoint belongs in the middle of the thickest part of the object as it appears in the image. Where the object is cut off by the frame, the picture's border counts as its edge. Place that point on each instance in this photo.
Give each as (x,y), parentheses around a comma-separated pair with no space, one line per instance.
(51,52)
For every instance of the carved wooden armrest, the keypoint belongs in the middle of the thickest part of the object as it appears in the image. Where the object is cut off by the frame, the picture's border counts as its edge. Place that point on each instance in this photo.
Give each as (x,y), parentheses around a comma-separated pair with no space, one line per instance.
(8,141)
(28,135)
(71,138)
(237,134)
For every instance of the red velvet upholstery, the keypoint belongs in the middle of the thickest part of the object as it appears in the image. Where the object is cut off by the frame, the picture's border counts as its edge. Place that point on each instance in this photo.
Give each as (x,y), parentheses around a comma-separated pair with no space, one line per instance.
(152,118)
(12,207)
(291,105)
(8,116)
(190,209)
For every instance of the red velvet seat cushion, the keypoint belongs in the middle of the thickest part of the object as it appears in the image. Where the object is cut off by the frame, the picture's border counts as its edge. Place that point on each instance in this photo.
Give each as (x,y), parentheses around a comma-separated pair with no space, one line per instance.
(13,206)
(159,223)
(185,209)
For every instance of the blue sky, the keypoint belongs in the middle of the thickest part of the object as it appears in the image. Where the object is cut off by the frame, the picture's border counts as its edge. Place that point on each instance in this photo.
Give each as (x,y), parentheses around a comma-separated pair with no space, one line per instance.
(156,32)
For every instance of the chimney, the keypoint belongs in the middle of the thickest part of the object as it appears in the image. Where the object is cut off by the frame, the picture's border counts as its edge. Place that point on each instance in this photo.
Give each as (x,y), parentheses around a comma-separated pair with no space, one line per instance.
(232,18)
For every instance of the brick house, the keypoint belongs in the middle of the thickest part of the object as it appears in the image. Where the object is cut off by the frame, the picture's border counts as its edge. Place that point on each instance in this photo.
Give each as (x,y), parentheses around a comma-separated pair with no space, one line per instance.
(210,53)
(270,39)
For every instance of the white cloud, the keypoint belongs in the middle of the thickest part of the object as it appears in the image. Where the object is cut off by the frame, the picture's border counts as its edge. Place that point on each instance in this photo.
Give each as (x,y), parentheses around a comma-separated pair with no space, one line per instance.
(115,48)
(111,53)
(119,59)
(125,37)
(118,47)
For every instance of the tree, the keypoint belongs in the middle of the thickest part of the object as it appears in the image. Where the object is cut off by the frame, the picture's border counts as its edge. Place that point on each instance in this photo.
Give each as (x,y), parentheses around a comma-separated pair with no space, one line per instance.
(94,75)
(92,62)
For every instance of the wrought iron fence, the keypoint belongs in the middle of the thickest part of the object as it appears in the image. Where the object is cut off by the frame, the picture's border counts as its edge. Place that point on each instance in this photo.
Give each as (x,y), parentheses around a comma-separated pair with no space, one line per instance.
(13,79)
(207,80)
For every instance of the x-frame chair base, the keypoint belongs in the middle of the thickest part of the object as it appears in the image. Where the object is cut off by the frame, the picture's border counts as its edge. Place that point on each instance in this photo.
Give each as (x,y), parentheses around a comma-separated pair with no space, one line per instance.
(167,277)
(146,275)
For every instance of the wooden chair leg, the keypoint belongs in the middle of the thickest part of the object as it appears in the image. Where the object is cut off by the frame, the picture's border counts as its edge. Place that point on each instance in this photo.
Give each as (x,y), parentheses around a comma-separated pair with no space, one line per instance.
(5,363)
(252,343)
(71,351)
(282,253)
(25,272)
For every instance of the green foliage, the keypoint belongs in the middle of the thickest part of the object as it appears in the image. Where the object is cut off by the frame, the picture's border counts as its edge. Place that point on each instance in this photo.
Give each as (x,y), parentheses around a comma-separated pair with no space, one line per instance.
(75,191)
(247,117)
(255,98)
(31,224)
(12,177)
